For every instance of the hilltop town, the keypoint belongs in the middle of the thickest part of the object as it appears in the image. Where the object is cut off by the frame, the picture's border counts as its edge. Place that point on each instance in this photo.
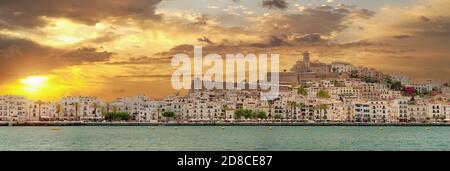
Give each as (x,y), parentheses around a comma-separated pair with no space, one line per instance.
(311,92)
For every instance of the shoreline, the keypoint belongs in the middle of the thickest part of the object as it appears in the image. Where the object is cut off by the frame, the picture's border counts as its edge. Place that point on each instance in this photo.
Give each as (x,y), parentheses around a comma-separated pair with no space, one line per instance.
(24,124)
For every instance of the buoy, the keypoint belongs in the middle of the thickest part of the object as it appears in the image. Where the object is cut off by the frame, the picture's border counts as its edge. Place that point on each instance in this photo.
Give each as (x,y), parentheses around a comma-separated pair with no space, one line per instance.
(428,129)
(270,128)
(380,129)
(223,127)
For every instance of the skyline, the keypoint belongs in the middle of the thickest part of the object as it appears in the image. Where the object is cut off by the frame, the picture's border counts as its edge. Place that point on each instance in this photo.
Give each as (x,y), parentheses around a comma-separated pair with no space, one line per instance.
(123,48)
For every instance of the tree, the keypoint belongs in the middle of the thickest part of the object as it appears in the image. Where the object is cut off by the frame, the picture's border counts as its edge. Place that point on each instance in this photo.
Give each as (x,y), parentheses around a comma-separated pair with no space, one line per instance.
(323,94)
(238,114)
(95,106)
(323,107)
(302,91)
(443,117)
(293,105)
(270,102)
(354,74)
(396,85)
(168,114)
(225,109)
(302,106)
(39,102)
(260,115)
(159,111)
(76,105)
(118,116)
(58,110)
(369,79)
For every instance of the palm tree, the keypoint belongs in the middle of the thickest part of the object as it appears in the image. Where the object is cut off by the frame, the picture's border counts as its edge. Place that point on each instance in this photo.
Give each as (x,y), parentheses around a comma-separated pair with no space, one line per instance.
(77,106)
(108,105)
(293,106)
(225,109)
(322,107)
(316,111)
(95,106)
(159,111)
(58,110)
(270,102)
(39,102)
(302,105)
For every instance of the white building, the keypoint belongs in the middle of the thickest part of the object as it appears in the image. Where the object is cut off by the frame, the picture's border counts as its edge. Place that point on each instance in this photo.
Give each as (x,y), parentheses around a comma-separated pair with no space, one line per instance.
(342,67)
(14,108)
(80,108)
(421,87)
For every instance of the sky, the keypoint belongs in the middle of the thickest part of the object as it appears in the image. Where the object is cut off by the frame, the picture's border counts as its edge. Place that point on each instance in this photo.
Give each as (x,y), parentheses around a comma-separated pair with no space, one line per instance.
(115,48)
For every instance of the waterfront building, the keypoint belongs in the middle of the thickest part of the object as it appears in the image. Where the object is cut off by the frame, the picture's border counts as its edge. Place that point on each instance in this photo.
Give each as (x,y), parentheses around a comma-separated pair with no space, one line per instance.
(399,110)
(379,111)
(83,108)
(42,111)
(14,108)
(418,113)
(361,112)
(436,111)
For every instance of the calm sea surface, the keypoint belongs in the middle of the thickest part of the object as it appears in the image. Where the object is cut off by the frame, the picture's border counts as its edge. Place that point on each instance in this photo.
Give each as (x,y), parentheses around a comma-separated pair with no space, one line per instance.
(229,138)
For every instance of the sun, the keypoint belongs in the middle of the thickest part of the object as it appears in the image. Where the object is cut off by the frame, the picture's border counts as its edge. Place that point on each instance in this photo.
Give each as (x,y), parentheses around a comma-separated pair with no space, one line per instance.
(33,84)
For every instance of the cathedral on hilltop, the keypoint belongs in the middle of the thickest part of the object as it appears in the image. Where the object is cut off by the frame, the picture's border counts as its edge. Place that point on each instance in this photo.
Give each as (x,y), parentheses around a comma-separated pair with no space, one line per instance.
(305,71)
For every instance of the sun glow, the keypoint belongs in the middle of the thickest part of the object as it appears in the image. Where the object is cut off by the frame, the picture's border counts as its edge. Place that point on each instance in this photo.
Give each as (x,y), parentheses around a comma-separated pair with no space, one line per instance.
(33,84)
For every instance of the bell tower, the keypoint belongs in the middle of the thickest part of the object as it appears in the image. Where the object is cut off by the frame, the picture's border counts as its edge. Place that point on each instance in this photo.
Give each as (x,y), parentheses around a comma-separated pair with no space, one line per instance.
(306,60)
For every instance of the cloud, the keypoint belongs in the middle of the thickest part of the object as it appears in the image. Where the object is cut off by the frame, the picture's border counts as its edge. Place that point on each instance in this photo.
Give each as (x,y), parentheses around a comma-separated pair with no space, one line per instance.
(141,60)
(276,41)
(424,19)
(22,56)
(312,24)
(206,40)
(309,38)
(275,4)
(200,20)
(145,76)
(85,54)
(26,13)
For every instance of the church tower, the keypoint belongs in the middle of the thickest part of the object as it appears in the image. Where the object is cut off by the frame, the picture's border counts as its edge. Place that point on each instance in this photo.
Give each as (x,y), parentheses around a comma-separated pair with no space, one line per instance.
(306,60)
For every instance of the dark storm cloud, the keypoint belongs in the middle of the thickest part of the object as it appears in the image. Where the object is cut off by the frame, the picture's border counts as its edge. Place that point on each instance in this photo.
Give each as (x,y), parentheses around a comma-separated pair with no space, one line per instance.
(28,13)
(402,36)
(312,25)
(206,40)
(322,20)
(277,41)
(22,56)
(275,4)
(85,54)
(309,38)
(424,19)
(145,76)
(142,60)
